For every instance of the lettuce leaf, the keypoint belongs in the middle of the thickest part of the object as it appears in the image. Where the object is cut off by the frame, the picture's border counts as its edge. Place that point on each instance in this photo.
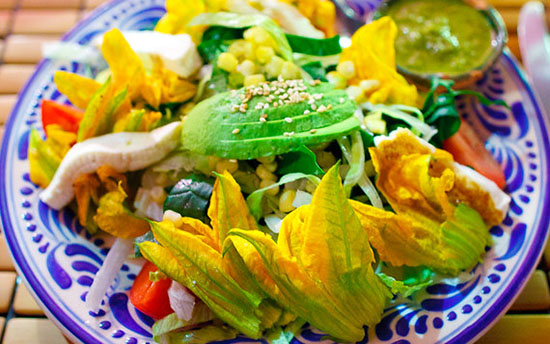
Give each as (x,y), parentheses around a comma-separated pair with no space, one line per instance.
(235,20)
(301,160)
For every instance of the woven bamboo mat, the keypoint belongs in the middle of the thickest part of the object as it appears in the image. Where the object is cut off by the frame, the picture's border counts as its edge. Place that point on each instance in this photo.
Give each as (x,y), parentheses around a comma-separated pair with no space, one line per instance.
(26,24)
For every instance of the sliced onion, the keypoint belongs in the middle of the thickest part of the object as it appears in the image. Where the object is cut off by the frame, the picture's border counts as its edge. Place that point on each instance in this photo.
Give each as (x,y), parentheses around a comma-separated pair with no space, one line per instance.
(302,198)
(273,222)
(181,301)
(370,190)
(104,278)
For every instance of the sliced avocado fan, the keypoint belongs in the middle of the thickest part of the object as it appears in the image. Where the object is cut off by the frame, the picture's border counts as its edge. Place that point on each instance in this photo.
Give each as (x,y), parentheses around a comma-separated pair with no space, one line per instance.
(268,119)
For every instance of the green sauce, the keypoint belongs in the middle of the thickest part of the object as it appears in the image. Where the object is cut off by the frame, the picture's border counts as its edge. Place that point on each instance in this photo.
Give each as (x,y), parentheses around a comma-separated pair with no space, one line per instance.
(440,36)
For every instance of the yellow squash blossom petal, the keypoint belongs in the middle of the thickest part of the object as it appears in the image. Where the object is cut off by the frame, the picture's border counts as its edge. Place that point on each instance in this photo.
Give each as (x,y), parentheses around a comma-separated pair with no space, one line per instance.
(373,54)
(415,176)
(330,281)
(228,207)
(126,68)
(77,88)
(114,218)
(45,156)
(220,279)
(207,277)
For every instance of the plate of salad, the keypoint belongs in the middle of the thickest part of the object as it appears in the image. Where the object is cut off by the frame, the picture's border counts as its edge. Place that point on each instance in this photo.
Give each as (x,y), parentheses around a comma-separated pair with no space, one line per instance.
(247,171)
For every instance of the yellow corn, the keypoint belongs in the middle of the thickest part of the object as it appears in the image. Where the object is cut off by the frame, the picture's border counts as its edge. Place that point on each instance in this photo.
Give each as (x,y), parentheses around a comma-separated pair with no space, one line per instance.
(356,93)
(265,183)
(228,62)
(253,79)
(325,159)
(285,202)
(336,79)
(264,173)
(369,85)
(272,166)
(266,159)
(247,68)
(241,49)
(290,71)
(274,66)
(230,166)
(259,36)
(264,54)
(346,68)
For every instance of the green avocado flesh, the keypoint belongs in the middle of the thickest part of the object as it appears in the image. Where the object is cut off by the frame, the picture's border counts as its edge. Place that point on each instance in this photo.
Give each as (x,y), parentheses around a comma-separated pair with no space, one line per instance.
(216,127)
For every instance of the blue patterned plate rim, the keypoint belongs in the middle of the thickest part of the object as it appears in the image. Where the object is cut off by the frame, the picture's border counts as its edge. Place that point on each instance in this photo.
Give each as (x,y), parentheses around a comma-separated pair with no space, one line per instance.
(77,332)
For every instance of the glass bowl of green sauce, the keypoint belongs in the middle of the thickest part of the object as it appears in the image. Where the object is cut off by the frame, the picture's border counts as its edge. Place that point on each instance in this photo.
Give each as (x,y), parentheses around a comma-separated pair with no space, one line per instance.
(451,39)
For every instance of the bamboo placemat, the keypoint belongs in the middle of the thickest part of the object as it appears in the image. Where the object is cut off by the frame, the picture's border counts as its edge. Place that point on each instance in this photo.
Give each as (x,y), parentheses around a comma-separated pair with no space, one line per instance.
(26,24)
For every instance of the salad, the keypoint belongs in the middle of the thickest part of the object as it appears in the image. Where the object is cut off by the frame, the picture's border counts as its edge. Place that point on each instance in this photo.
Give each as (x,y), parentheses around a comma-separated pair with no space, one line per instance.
(270,172)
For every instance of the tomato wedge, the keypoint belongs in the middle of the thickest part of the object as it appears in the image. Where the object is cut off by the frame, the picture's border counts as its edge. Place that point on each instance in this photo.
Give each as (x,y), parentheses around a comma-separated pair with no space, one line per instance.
(468,149)
(151,298)
(66,116)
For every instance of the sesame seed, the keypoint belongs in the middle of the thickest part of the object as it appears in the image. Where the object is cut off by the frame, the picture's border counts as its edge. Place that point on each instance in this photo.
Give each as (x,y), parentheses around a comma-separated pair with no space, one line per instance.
(322,108)
(288,119)
(236,131)
(263,120)
(233,160)
(313,107)
(266,106)
(313,131)
(329,107)
(342,100)
(307,112)
(264,115)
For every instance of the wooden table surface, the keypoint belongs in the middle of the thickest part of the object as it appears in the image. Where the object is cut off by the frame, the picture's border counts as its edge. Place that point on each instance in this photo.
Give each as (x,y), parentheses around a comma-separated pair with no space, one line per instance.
(26,24)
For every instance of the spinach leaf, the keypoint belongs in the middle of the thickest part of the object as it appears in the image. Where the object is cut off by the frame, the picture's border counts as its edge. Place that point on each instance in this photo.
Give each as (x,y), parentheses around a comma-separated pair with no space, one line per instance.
(216,40)
(222,33)
(209,50)
(190,197)
(301,160)
(440,109)
(316,70)
(314,46)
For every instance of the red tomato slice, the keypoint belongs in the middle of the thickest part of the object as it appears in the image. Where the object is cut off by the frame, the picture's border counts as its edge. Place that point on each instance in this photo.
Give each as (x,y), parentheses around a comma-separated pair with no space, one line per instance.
(65,116)
(151,298)
(468,149)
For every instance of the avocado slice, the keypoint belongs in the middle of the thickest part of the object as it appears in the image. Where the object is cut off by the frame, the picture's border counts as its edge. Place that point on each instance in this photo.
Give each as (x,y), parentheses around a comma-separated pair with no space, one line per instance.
(305,114)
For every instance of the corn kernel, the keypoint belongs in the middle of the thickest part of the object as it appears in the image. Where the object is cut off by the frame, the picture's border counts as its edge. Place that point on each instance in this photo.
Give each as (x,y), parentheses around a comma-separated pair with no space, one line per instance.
(253,79)
(369,85)
(241,49)
(247,68)
(343,170)
(285,202)
(258,35)
(235,80)
(346,68)
(265,183)
(212,161)
(230,166)
(228,62)
(375,125)
(264,54)
(271,166)
(266,159)
(172,216)
(356,93)
(325,159)
(310,187)
(336,79)
(290,71)
(274,66)
(264,173)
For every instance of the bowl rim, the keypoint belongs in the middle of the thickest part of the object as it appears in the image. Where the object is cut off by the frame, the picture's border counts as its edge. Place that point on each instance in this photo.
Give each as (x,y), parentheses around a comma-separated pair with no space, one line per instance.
(77,333)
